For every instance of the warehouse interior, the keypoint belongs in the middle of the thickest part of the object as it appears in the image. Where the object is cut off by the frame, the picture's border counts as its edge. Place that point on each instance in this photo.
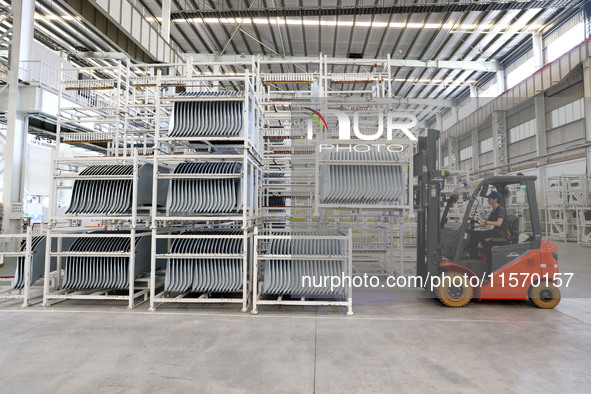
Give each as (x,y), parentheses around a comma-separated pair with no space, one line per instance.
(186,186)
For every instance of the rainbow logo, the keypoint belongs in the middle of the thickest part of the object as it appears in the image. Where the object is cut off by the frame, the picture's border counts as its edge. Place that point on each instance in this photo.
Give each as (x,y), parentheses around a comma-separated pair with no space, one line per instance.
(317,117)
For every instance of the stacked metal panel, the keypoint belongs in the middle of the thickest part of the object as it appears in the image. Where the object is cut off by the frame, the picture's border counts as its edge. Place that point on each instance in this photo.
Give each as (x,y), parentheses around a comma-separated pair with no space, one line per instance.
(37,260)
(111,196)
(203,274)
(101,272)
(207,118)
(206,195)
(286,277)
(37,244)
(348,183)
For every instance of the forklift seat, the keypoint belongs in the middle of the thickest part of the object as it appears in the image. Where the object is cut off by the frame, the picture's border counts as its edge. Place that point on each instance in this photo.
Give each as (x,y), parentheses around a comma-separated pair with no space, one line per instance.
(513,229)
(512,236)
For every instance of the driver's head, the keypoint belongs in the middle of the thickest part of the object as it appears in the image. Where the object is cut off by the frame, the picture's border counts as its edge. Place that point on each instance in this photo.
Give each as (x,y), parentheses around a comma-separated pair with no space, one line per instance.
(494,197)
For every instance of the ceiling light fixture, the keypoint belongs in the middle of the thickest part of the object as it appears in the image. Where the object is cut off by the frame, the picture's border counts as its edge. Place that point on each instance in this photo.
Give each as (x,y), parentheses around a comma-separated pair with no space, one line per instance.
(344,23)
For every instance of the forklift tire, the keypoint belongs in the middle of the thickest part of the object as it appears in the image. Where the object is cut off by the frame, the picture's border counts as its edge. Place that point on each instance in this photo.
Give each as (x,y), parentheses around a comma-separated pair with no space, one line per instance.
(452,296)
(545,296)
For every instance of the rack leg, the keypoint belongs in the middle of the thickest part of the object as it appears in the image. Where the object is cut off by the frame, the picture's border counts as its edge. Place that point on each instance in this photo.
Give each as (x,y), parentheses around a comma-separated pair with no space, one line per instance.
(28,263)
(254,275)
(349,307)
(153,271)
(131,270)
(47,268)
(245,289)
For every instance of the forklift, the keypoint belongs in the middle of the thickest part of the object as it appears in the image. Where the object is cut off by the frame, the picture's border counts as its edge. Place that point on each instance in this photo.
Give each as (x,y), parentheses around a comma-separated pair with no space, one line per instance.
(514,267)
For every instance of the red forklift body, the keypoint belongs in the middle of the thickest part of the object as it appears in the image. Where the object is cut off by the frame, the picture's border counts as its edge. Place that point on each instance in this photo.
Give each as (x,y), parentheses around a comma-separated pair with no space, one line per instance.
(512,281)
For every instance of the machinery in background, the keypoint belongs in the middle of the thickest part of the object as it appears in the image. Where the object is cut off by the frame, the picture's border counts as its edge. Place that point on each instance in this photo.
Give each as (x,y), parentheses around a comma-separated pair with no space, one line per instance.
(515,267)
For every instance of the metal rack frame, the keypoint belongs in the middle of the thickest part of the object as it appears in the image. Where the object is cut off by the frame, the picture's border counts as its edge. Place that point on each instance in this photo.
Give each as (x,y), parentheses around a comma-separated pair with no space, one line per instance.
(170,151)
(292,177)
(584,226)
(347,256)
(162,297)
(7,292)
(108,93)
(568,200)
(138,287)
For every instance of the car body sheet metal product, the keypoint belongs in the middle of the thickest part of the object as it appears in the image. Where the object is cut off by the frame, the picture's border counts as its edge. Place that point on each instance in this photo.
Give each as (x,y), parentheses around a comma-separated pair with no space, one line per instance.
(104,272)
(205,274)
(285,277)
(207,119)
(206,195)
(345,183)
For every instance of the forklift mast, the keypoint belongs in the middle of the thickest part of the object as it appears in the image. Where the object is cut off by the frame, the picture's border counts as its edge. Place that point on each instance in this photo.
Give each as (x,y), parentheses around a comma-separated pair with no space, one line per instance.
(427,196)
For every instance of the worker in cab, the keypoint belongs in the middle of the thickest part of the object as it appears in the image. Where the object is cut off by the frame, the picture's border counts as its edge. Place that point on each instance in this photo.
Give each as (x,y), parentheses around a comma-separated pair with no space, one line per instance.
(497,219)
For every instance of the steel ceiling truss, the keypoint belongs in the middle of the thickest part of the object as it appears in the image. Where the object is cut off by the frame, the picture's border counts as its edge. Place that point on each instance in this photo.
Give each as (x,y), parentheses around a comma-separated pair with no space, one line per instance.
(400,8)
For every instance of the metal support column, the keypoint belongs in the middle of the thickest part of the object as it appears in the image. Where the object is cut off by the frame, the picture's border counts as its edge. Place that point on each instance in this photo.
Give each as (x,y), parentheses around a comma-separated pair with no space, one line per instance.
(538,47)
(474,97)
(541,143)
(587,98)
(587,19)
(16,132)
(166,19)
(455,114)
(475,151)
(439,120)
(453,152)
(501,82)
(499,127)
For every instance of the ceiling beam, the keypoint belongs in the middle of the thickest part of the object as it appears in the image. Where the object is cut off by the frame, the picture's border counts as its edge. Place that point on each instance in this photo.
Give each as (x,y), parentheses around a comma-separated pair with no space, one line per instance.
(486,66)
(429,102)
(400,8)
(112,32)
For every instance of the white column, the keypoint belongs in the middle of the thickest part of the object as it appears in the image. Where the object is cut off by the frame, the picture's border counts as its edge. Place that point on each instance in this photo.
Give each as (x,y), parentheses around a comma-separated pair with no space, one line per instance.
(455,114)
(587,96)
(439,120)
(538,48)
(541,145)
(475,151)
(216,71)
(166,19)
(474,97)
(16,132)
(501,83)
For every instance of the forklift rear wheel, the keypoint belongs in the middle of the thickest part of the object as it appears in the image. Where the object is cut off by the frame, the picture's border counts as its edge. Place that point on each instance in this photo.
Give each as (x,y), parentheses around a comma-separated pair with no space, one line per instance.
(454,296)
(545,296)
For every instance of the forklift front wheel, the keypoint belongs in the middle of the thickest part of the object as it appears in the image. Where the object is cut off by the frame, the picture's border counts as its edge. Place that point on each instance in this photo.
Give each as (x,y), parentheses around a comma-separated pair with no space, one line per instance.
(454,291)
(544,295)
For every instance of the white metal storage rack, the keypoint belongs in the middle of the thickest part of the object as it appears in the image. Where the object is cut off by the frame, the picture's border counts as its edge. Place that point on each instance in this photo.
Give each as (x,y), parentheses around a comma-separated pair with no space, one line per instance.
(12,291)
(193,156)
(568,202)
(89,271)
(302,254)
(295,170)
(584,226)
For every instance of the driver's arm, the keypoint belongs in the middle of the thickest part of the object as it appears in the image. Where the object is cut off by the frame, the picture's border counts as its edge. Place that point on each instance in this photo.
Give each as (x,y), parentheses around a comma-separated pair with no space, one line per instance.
(496,223)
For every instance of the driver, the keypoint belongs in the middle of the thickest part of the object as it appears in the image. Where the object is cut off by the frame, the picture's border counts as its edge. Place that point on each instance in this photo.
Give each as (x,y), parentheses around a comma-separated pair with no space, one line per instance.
(497,218)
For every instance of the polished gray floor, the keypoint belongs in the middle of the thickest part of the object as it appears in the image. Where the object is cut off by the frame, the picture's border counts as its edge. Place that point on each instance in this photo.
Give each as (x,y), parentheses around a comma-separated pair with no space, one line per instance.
(396,342)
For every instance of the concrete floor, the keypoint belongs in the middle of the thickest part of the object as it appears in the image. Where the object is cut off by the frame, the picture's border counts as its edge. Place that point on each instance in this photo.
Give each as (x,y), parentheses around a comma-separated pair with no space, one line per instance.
(396,342)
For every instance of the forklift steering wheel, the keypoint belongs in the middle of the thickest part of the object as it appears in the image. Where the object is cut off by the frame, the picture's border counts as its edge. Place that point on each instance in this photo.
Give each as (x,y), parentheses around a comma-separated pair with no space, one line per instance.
(472,223)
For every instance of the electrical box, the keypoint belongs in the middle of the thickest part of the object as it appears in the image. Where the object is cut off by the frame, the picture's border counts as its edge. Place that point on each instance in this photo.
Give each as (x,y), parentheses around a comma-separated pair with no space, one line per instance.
(15,211)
